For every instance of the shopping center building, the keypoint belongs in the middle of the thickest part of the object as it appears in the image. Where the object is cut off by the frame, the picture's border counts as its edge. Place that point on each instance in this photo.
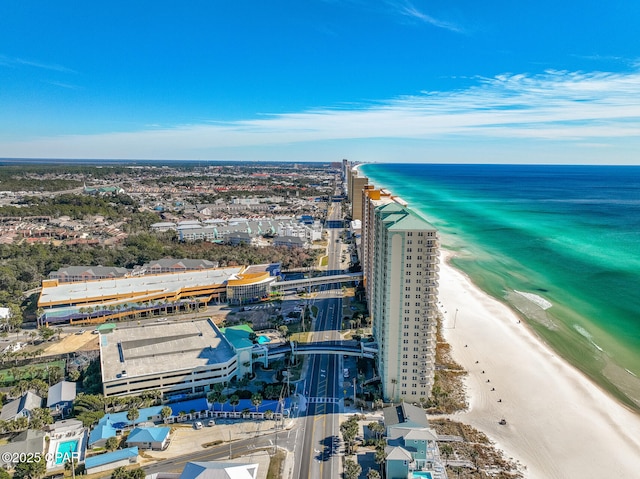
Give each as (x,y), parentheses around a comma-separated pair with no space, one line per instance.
(152,294)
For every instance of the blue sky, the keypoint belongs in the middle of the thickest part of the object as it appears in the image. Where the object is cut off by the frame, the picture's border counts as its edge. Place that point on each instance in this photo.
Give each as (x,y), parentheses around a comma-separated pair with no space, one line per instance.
(321,80)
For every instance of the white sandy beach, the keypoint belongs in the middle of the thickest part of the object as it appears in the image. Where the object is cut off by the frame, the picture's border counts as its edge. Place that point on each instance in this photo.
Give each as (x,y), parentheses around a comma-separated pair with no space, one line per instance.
(559,424)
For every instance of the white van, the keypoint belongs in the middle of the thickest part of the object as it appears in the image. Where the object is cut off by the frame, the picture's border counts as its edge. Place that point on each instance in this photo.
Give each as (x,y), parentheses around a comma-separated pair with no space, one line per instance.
(197,425)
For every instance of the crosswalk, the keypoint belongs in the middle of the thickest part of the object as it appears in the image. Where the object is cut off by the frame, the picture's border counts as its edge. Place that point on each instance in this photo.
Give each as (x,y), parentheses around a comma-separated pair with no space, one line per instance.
(259,306)
(323,400)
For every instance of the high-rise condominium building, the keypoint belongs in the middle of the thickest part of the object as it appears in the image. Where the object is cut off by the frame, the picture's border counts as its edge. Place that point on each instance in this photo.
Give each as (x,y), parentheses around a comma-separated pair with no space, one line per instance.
(400,263)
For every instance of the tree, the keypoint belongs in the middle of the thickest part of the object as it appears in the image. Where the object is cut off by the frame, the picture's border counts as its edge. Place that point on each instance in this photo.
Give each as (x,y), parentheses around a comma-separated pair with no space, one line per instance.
(376,428)
(349,430)
(166,413)
(133,414)
(373,474)
(221,400)
(380,456)
(120,473)
(446,450)
(234,401)
(284,330)
(40,417)
(256,400)
(112,443)
(31,468)
(137,473)
(46,333)
(352,469)
(15,318)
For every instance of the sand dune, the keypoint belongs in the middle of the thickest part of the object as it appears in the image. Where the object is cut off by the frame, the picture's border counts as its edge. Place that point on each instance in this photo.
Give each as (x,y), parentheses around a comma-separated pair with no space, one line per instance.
(559,424)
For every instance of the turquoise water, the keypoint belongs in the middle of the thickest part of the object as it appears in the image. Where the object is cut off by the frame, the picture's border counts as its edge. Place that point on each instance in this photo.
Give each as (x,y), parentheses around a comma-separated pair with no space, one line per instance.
(263,339)
(570,235)
(63,454)
(426,475)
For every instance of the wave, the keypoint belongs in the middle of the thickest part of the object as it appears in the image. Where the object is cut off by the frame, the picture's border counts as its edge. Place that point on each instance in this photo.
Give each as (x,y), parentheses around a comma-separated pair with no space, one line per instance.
(583,332)
(534,298)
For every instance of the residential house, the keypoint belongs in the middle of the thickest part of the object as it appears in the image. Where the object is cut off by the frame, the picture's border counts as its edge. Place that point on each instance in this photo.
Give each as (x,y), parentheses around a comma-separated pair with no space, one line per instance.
(60,398)
(111,460)
(155,438)
(21,407)
(219,470)
(289,241)
(29,442)
(411,444)
(103,431)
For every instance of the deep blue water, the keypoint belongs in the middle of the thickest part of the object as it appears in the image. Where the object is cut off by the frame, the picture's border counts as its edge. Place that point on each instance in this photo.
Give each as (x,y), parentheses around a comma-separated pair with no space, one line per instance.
(568,234)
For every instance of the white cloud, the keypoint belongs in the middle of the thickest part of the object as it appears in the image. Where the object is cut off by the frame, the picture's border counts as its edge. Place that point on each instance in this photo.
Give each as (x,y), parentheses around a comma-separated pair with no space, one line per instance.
(407,9)
(12,62)
(508,111)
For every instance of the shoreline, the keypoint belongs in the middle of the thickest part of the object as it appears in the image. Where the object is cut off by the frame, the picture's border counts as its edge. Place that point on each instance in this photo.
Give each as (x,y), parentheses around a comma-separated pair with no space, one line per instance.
(560,424)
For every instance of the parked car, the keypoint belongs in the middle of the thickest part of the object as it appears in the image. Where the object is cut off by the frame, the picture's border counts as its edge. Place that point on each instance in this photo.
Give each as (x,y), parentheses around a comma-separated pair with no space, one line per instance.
(211,423)
(197,425)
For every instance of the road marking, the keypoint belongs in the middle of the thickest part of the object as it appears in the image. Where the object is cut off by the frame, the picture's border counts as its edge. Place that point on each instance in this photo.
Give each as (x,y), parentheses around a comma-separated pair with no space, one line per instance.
(322,400)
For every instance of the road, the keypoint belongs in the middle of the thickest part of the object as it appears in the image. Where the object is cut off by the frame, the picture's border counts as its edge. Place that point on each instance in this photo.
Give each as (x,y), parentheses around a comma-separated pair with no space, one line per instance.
(317,455)
(283,438)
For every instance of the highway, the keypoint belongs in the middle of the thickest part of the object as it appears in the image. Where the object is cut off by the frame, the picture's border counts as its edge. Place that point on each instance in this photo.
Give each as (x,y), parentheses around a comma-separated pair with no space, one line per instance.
(317,455)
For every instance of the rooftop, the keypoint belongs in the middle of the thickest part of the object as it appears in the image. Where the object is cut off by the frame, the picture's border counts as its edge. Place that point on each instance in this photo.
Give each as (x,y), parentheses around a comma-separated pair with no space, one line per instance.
(154,348)
(148,434)
(158,284)
(109,457)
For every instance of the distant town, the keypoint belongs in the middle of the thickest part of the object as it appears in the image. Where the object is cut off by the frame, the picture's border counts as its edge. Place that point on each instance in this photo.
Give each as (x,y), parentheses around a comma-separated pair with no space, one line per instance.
(201,314)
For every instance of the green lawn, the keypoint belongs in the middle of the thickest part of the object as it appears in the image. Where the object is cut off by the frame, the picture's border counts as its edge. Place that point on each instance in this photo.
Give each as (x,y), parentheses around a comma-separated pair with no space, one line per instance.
(6,375)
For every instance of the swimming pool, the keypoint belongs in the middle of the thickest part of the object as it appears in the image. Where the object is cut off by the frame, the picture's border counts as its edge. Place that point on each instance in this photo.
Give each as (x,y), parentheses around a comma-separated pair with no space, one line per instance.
(263,339)
(63,453)
(422,475)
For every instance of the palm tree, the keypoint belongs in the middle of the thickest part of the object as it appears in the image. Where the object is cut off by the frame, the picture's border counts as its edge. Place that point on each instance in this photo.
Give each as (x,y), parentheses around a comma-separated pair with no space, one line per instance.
(376,428)
(165,413)
(234,401)
(221,400)
(133,414)
(373,474)
(212,397)
(256,400)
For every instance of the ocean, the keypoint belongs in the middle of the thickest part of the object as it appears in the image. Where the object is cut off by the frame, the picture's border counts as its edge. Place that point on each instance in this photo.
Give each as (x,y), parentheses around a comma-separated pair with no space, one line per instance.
(559,244)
